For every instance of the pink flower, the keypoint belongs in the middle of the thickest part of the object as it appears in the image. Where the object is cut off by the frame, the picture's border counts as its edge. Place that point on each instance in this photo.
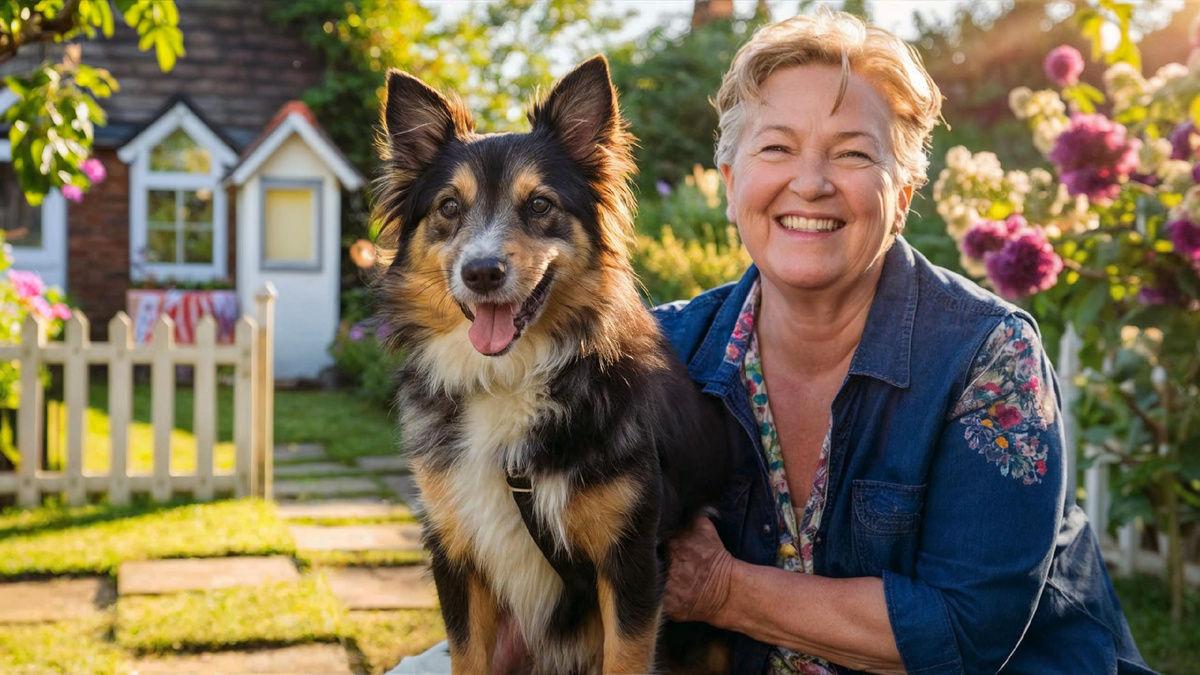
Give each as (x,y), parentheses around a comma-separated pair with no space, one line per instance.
(990,235)
(38,304)
(60,311)
(93,169)
(1027,264)
(27,284)
(1063,65)
(1185,235)
(72,192)
(1093,156)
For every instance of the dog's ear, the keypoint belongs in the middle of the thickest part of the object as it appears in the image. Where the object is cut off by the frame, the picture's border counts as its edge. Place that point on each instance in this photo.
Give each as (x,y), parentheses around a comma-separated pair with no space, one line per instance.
(418,121)
(581,110)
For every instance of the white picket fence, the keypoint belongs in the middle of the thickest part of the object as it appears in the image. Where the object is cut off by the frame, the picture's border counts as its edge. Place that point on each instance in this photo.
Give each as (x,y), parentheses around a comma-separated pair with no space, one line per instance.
(253,407)
(1125,552)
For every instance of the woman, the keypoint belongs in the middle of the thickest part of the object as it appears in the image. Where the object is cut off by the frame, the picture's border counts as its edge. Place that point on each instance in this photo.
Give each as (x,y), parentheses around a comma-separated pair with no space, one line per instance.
(898,502)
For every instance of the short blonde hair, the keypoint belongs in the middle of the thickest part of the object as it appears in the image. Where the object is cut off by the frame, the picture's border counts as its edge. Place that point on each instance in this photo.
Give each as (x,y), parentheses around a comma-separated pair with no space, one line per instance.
(839,39)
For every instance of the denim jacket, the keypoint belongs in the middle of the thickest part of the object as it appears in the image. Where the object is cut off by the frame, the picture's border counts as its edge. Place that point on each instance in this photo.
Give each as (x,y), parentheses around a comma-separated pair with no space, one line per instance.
(987,565)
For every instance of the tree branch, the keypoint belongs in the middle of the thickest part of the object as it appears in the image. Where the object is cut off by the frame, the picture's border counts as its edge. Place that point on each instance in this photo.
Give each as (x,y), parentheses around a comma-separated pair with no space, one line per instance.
(40,29)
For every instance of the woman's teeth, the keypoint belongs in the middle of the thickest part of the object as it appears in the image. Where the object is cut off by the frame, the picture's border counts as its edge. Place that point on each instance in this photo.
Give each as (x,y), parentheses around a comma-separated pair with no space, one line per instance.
(799,224)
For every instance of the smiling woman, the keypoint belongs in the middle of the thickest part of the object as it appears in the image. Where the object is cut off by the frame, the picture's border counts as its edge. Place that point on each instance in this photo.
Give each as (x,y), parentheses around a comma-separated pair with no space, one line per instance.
(899,504)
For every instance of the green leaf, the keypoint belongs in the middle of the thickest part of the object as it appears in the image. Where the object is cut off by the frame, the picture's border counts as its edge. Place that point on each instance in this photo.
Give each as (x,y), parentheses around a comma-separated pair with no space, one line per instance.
(1089,307)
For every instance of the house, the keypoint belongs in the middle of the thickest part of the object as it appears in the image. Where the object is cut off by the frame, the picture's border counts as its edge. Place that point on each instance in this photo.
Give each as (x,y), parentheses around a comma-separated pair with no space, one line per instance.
(217,177)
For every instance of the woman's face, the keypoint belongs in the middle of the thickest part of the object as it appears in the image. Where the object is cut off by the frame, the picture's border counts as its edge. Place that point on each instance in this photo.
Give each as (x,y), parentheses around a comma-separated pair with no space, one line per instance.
(813,194)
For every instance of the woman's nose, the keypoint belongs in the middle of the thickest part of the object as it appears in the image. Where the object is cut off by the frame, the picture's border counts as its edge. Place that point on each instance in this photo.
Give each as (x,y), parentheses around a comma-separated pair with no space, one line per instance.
(811,181)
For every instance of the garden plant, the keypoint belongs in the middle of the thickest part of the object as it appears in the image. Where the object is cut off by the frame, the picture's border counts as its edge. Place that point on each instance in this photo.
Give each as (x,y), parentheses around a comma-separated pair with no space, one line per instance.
(1105,241)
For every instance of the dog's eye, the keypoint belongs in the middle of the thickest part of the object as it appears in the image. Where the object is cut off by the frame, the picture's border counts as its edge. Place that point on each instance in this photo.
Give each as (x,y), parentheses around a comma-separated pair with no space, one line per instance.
(539,205)
(449,208)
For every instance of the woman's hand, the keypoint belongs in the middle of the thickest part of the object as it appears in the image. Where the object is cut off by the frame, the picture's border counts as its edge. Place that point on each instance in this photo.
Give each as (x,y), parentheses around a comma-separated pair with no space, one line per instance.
(698,573)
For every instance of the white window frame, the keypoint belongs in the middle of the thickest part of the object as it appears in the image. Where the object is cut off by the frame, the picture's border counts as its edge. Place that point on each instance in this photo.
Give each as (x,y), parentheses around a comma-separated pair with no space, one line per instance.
(137,153)
(50,259)
(315,186)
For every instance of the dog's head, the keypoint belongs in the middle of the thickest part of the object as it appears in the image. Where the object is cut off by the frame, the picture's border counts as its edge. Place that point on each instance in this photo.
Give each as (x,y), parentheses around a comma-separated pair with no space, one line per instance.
(512,233)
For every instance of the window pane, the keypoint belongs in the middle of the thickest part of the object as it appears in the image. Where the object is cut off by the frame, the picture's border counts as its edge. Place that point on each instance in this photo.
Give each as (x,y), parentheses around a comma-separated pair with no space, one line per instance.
(160,208)
(290,225)
(178,152)
(198,246)
(198,206)
(22,223)
(160,246)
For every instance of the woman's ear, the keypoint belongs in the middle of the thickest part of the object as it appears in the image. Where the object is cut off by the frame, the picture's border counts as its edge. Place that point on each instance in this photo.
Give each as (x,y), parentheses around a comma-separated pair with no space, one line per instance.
(727,176)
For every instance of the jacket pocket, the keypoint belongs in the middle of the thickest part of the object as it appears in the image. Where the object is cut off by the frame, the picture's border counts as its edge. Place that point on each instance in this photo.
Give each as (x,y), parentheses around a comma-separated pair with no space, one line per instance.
(732,512)
(887,523)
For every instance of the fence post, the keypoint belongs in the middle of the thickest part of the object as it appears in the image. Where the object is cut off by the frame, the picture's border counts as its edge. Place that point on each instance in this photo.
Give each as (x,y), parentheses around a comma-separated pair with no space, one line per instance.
(120,406)
(75,375)
(29,413)
(245,403)
(264,457)
(162,406)
(204,418)
(1068,366)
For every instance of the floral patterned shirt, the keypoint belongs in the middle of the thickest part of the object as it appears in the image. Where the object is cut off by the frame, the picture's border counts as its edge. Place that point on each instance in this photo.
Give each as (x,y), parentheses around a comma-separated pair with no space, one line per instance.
(795,553)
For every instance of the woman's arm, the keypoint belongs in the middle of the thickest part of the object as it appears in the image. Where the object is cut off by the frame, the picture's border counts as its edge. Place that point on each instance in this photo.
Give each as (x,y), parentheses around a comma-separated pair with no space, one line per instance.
(844,621)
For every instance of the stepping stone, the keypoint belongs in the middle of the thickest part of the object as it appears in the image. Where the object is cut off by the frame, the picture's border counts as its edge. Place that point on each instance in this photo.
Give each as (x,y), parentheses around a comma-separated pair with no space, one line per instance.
(342,509)
(384,463)
(325,487)
(402,537)
(405,488)
(315,469)
(299,452)
(311,658)
(384,587)
(154,577)
(54,600)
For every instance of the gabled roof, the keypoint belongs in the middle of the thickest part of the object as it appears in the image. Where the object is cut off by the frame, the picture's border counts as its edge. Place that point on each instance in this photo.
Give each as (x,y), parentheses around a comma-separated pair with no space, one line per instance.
(296,118)
(179,112)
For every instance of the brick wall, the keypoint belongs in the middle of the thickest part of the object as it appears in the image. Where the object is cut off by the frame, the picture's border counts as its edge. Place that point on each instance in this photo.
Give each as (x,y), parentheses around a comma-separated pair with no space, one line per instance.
(98,245)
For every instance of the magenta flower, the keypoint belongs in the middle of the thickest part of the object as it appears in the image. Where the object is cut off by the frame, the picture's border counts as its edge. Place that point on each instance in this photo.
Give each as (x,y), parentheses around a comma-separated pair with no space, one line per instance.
(987,236)
(1094,155)
(1196,173)
(663,187)
(27,284)
(1063,65)
(93,169)
(1027,264)
(60,311)
(1163,292)
(72,192)
(1185,235)
(1181,140)
(356,333)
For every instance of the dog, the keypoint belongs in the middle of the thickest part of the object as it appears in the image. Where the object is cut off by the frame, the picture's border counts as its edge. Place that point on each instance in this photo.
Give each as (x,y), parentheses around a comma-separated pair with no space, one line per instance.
(555,439)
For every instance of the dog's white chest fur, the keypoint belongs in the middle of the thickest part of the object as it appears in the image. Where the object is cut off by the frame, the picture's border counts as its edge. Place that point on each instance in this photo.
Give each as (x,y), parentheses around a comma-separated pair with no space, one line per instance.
(494,428)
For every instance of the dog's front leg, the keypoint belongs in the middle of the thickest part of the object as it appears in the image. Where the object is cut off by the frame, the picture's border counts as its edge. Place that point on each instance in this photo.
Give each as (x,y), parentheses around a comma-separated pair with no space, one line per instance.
(469,610)
(630,605)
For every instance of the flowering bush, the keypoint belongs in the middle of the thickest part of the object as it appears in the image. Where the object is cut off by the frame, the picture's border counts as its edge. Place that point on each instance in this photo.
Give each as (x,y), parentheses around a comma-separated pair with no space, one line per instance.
(1108,243)
(365,362)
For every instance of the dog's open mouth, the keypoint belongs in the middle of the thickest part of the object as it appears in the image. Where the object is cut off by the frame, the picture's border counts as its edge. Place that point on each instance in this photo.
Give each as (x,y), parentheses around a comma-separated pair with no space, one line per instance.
(495,326)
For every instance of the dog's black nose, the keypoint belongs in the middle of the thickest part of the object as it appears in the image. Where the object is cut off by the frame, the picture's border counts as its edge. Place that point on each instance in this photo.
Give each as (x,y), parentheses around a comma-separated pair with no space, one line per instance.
(484,275)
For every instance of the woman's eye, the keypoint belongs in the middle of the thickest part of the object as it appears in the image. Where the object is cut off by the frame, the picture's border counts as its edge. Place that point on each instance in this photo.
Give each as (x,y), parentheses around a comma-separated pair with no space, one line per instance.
(539,205)
(774,148)
(449,208)
(856,155)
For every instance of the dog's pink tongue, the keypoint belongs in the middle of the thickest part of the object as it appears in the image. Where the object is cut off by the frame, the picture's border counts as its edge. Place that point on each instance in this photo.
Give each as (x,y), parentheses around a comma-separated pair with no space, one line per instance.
(493,327)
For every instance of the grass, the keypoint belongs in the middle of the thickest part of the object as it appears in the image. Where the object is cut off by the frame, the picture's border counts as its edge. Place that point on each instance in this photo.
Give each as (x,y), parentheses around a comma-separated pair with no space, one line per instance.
(384,637)
(310,559)
(1171,648)
(274,613)
(348,427)
(64,647)
(96,539)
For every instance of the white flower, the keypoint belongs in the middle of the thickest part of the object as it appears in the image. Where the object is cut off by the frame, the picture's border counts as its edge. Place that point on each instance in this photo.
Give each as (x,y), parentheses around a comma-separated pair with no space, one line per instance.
(1169,72)
(1047,130)
(1124,84)
(1046,103)
(1189,208)
(1176,175)
(1018,101)
(1152,154)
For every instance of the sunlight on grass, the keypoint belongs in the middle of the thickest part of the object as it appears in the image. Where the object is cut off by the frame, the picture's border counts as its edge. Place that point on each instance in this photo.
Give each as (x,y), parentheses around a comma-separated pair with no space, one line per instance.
(64,647)
(386,637)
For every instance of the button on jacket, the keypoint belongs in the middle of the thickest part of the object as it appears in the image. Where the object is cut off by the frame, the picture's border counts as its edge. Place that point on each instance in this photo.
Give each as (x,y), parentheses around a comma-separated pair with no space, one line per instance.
(946,479)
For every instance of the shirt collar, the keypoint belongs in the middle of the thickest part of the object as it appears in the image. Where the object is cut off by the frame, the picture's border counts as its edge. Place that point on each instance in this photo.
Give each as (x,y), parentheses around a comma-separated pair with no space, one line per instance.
(884,352)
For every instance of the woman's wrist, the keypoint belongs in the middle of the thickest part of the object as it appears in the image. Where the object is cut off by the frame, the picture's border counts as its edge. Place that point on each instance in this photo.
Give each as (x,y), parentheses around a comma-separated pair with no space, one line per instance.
(723,612)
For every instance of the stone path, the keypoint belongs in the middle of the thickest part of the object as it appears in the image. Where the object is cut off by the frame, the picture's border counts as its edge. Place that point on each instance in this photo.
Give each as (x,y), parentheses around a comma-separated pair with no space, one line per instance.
(335,495)
(54,600)
(156,577)
(312,658)
(384,587)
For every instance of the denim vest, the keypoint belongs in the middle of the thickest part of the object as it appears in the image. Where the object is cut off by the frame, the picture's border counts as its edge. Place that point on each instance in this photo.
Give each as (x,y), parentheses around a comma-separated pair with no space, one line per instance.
(981,573)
